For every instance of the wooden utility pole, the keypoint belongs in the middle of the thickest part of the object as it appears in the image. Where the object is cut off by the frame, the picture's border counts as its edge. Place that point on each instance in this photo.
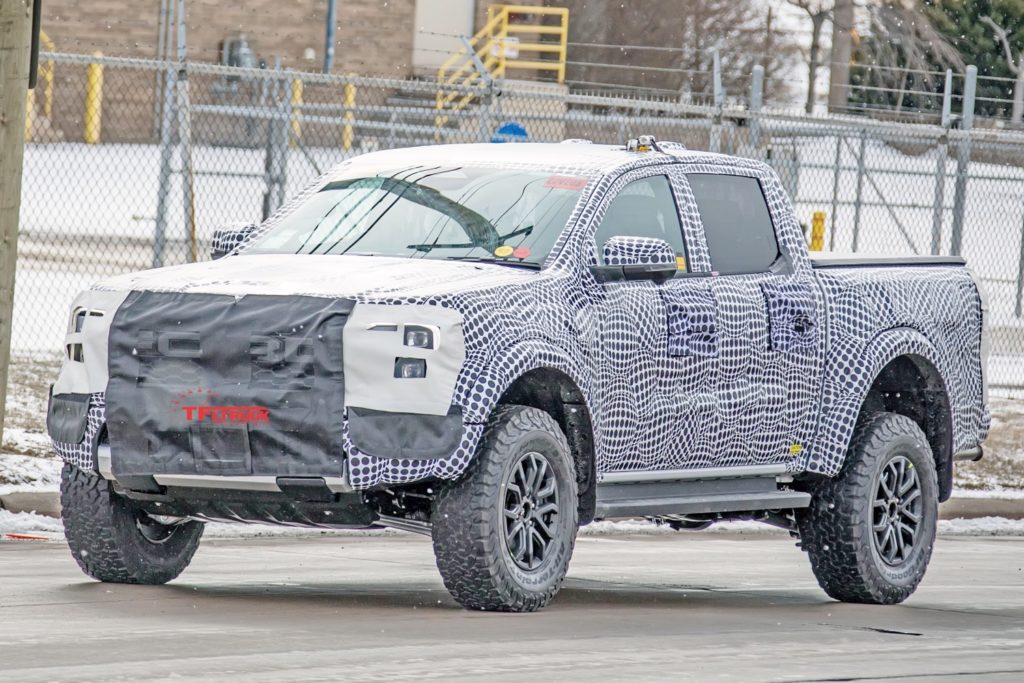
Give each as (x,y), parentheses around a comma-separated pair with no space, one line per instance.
(842,51)
(15,45)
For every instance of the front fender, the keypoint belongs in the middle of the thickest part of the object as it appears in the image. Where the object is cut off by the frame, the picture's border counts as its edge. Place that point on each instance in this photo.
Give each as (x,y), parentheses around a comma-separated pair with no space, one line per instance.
(483,381)
(844,393)
(480,385)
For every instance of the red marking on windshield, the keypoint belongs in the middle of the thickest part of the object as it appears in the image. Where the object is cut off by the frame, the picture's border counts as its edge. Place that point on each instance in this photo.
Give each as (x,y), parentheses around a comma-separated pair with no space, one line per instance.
(565,182)
(521,252)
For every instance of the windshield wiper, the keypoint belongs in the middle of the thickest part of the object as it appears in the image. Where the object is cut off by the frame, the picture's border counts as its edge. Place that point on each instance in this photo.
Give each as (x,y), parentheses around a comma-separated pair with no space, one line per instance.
(430,246)
(501,262)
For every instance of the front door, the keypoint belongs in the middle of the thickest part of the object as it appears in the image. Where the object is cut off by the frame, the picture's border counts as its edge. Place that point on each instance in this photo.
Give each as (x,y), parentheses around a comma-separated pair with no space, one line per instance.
(655,349)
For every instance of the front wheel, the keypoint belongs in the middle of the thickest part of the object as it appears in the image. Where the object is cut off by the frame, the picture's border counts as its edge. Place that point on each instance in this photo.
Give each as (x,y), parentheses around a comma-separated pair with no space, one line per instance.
(870,531)
(504,533)
(113,540)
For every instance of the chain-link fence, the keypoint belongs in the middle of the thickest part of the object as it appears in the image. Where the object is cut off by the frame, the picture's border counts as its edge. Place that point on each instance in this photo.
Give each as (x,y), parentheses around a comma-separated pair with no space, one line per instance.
(132,164)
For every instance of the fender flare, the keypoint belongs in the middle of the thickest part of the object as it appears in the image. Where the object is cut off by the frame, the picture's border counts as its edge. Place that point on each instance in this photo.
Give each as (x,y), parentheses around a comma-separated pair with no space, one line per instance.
(844,394)
(494,375)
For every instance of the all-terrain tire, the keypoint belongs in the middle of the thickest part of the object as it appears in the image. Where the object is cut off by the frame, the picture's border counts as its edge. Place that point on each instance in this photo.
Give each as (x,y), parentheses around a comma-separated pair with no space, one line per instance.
(113,541)
(838,530)
(475,550)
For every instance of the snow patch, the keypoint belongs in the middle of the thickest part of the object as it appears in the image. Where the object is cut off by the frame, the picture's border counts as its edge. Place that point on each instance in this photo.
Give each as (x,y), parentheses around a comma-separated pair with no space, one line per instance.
(982,526)
(29,523)
(28,473)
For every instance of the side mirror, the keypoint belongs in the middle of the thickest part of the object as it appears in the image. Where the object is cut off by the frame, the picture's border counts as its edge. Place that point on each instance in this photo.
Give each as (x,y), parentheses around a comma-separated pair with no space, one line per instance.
(228,237)
(636,258)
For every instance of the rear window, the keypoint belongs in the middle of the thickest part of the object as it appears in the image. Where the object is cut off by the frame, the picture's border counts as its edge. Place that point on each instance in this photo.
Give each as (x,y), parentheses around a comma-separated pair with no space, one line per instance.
(737,225)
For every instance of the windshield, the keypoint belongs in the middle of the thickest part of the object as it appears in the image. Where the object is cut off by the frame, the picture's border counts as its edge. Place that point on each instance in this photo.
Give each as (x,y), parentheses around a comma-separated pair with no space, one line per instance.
(442,212)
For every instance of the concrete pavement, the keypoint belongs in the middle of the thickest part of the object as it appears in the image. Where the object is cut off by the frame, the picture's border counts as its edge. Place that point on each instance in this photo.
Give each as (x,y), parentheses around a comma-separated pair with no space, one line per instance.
(711,607)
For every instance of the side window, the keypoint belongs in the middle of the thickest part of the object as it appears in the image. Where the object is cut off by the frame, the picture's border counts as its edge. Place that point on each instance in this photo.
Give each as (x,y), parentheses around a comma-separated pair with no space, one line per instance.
(643,208)
(737,225)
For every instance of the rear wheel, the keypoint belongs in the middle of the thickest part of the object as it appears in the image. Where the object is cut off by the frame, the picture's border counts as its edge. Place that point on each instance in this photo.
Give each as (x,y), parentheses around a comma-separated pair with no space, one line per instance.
(870,531)
(113,540)
(504,533)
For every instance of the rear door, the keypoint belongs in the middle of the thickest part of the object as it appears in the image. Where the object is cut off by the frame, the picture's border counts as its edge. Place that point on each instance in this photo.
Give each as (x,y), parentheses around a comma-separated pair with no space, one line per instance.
(767,315)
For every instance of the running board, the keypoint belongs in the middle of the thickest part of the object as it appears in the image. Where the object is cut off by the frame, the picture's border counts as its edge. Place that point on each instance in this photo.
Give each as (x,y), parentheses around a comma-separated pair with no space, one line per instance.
(695,496)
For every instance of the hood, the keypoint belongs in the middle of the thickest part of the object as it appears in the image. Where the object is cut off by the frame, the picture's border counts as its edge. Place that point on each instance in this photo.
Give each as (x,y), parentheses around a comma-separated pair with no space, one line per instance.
(321,275)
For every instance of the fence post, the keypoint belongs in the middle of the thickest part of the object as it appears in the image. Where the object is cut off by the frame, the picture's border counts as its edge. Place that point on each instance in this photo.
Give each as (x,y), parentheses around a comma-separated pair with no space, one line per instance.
(93,102)
(185,136)
(166,148)
(282,146)
(484,114)
(1019,304)
(963,161)
(942,153)
(756,100)
(835,190)
(860,190)
(715,135)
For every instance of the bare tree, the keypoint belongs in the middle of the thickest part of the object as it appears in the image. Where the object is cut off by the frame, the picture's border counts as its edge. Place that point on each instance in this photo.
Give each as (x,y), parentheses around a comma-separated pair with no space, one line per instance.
(1016,67)
(819,12)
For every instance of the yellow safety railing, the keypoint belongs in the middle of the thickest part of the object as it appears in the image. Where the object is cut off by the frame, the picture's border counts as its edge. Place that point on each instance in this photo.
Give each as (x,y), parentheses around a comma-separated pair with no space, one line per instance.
(491,46)
(46,77)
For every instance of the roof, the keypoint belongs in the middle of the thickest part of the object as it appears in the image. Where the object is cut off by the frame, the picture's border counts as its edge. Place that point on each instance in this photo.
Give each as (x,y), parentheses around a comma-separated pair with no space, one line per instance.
(568,157)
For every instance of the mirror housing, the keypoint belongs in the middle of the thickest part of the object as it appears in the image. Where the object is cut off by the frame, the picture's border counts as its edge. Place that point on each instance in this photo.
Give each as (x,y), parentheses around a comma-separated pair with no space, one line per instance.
(226,238)
(636,258)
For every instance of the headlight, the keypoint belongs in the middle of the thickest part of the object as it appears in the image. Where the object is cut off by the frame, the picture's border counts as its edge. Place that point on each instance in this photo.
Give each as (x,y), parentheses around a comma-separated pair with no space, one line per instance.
(419,337)
(410,368)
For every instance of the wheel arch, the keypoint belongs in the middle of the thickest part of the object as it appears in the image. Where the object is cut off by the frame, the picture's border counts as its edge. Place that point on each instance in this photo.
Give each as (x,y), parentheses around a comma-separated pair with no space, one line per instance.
(558,394)
(897,371)
(540,374)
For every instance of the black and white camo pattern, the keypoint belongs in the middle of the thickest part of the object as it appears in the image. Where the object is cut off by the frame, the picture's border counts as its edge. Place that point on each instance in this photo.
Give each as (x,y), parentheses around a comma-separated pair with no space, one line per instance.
(698,371)
(81,454)
(621,251)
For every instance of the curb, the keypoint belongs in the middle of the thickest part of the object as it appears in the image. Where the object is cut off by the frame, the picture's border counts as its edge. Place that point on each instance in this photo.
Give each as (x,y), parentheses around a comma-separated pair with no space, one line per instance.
(41,502)
(48,503)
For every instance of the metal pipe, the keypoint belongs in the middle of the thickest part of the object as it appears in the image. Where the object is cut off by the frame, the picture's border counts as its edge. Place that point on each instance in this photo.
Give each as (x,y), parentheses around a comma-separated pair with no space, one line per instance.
(756,100)
(185,136)
(1018,308)
(860,190)
(963,161)
(835,191)
(941,155)
(332,11)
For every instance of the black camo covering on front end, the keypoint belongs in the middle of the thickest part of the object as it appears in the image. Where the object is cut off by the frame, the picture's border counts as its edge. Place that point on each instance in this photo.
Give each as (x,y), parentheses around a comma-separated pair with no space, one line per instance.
(171,354)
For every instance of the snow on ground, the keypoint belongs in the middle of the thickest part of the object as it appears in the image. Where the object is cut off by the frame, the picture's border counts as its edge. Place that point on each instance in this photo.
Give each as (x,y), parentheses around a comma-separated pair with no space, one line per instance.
(52,529)
(28,473)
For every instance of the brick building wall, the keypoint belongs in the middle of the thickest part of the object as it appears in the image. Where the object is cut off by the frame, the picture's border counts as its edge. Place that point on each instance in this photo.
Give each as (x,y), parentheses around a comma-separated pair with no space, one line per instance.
(373,36)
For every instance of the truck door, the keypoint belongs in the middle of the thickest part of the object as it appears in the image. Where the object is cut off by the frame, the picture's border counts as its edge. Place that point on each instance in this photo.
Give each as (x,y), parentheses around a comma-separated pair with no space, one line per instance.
(768,328)
(640,388)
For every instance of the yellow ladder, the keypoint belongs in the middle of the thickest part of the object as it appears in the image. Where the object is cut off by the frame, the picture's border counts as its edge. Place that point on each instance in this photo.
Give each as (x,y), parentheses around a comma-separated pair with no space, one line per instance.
(488,51)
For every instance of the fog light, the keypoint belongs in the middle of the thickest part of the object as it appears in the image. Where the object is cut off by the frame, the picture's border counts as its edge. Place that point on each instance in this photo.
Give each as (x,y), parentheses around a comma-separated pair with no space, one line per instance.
(419,337)
(410,368)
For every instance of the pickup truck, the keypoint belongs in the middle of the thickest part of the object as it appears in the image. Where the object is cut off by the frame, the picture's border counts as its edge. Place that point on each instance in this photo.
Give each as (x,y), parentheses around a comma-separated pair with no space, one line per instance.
(496,344)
